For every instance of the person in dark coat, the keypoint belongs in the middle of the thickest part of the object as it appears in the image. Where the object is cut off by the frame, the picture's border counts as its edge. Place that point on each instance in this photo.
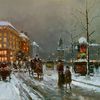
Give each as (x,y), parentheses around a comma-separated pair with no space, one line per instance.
(60,69)
(68,77)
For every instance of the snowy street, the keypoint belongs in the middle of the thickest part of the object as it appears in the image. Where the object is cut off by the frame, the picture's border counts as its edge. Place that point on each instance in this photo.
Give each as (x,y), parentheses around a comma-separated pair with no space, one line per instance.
(23,87)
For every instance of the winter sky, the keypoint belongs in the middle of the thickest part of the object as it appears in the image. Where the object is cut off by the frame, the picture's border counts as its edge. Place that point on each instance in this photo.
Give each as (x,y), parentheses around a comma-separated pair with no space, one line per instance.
(45,20)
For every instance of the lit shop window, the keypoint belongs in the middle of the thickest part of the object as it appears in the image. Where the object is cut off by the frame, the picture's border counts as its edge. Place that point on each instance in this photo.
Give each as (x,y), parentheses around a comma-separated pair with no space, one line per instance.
(10,44)
(5,58)
(5,39)
(4,45)
(0,34)
(0,52)
(10,36)
(5,34)
(11,53)
(0,38)
(11,58)
(0,45)
(5,52)
(2,59)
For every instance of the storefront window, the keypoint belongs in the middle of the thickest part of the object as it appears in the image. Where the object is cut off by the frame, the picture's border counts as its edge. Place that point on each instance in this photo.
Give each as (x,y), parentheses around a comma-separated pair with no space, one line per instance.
(0,38)
(0,34)
(0,45)
(4,45)
(5,52)
(5,34)
(5,39)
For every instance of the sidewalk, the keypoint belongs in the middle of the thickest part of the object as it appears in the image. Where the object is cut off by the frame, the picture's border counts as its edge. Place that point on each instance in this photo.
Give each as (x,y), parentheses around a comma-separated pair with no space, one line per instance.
(82,81)
(92,80)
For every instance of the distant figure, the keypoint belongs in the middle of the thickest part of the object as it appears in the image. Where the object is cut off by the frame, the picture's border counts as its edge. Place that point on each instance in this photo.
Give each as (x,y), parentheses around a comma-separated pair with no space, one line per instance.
(68,78)
(60,69)
(32,67)
(38,67)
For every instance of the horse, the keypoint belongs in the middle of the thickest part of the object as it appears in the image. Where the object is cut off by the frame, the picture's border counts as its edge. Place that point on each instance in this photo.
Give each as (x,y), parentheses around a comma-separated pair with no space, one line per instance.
(68,79)
(31,68)
(38,69)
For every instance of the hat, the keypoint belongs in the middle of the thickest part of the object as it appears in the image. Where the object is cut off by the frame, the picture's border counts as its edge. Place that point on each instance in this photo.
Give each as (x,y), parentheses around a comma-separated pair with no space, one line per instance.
(67,66)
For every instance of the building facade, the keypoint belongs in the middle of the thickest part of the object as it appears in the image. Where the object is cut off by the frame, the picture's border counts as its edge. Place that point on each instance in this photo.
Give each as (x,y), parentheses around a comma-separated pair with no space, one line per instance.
(24,45)
(35,49)
(10,42)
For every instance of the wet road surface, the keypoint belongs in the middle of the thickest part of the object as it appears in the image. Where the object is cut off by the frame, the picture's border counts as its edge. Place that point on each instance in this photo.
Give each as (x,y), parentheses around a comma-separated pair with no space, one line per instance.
(48,93)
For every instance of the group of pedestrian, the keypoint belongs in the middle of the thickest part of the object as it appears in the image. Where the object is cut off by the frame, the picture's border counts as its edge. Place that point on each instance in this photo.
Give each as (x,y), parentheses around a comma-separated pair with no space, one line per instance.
(64,77)
(5,71)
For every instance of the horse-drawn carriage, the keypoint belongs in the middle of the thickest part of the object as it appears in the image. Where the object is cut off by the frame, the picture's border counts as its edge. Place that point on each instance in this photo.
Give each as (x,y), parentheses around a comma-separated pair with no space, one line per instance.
(37,68)
(5,71)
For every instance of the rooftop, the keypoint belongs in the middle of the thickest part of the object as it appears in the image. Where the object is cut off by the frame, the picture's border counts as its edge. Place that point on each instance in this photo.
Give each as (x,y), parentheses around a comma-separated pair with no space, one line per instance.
(6,23)
(24,36)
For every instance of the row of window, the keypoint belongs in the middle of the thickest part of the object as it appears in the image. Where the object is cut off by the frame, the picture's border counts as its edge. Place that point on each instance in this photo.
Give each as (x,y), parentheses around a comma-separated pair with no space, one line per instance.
(5,59)
(13,46)
(10,35)
(4,39)
(4,52)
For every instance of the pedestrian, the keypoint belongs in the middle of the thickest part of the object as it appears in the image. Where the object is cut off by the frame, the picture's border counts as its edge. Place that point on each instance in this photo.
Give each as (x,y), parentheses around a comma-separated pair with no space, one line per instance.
(68,77)
(60,69)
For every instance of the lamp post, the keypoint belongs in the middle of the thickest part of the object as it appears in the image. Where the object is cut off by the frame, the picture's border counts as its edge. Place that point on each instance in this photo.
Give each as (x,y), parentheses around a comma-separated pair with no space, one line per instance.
(87,31)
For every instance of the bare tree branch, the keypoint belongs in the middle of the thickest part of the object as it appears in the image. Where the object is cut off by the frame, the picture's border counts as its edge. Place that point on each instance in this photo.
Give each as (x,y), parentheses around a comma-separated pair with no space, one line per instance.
(92,5)
(98,16)
(91,33)
(78,19)
(83,25)
(81,12)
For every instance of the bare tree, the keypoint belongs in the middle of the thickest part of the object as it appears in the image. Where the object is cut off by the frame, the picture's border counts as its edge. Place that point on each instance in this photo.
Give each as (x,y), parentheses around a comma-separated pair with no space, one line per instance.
(86,25)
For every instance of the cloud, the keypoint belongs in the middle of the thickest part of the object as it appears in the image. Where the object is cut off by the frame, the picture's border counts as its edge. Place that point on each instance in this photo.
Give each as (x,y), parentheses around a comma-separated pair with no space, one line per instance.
(45,20)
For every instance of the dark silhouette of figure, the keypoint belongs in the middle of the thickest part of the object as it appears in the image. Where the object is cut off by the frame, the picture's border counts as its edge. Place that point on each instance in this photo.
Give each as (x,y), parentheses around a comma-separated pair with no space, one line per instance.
(68,78)
(60,69)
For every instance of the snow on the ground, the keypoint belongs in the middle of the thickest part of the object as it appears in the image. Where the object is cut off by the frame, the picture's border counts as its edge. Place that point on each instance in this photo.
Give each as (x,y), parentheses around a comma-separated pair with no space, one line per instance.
(92,83)
(12,90)
(50,79)
(92,80)
(19,83)
(8,91)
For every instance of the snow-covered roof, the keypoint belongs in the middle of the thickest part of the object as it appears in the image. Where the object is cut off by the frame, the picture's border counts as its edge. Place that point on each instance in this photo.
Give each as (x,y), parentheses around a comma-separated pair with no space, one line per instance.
(82,40)
(94,44)
(23,36)
(60,49)
(35,44)
(81,60)
(6,23)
